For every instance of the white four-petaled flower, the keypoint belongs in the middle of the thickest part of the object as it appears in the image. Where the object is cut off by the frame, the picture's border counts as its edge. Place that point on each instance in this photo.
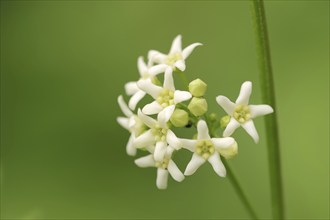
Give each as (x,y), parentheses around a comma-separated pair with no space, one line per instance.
(147,72)
(205,149)
(164,167)
(176,57)
(166,97)
(159,135)
(242,113)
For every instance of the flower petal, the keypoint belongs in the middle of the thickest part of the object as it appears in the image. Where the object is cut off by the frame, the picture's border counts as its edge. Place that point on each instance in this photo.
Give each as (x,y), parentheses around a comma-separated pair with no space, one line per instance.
(195,162)
(217,165)
(124,108)
(174,171)
(226,104)
(244,94)
(173,140)
(130,149)
(165,115)
(152,108)
(223,143)
(157,69)
(147,161)
(181,96)
(176,45)
(180,64)
(231,127)
(162,178)
(142,66)
(144,140)
(156,56)
(160,150)
(149,87)
(203,131)
(251,130)
(260,110)
(124,122)
(131,88)
(135,99)
(188,144)
(150,122)
(168,80)
(188,50)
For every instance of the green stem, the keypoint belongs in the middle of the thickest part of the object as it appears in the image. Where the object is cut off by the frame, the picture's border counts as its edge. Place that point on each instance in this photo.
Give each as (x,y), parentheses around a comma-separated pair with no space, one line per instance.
(239,190)
(268,97)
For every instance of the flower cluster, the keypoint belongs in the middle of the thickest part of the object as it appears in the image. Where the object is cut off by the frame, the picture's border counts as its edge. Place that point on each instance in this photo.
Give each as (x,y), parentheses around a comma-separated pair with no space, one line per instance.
(151,126)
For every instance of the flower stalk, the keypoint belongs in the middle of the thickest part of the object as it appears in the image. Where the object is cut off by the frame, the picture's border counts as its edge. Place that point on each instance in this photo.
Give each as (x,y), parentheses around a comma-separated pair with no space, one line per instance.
(268,97)
(239,191)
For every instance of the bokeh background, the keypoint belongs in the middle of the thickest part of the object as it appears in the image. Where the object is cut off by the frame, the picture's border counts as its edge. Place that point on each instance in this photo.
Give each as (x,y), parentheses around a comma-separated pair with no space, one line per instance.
(63,64)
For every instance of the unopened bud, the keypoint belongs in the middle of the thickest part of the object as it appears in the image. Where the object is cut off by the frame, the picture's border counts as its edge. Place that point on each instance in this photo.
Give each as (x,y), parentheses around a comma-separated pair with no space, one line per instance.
(197,88)
(229,152)
(213,117)
(224,121)
(179,118)
(198,106)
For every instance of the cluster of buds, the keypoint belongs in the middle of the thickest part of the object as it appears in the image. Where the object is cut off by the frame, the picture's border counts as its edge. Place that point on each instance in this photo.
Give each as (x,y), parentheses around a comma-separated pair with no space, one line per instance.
(151,126)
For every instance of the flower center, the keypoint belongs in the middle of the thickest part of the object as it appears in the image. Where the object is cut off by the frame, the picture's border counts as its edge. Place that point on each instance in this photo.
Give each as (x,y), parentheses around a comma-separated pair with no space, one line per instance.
(139,127)
(205,148)
(242,113)
(163,164)
(172,58)
(159,133)
(145,75)
(165,98)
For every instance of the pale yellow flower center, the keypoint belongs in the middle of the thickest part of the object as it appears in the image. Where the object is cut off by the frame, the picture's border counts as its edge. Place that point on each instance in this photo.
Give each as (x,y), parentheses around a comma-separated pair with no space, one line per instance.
(242,113)
(165,98)
(205,148)
(145,75)
(163,164)
(159,133)
(172,58)
(139,127)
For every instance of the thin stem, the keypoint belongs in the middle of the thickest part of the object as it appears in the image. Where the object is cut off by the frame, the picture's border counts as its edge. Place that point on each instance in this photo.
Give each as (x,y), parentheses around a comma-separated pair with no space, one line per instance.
(268,97)
(239,190)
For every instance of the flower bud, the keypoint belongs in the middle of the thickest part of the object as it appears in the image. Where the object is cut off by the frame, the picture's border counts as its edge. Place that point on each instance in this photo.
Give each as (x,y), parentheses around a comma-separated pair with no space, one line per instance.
(229,152)
(197,87)
(197,106)
(224,121)
(179,118)
(213,117)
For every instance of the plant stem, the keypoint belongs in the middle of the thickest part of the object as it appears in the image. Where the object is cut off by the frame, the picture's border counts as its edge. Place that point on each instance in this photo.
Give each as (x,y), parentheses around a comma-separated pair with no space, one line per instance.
(239,190)
(268,97)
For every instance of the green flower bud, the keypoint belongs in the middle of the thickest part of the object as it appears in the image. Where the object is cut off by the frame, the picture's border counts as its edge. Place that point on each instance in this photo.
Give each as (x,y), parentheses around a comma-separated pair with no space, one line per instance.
(213,117)
(179,118)
(197,87)
(229,152)
(197,106)
(224,121)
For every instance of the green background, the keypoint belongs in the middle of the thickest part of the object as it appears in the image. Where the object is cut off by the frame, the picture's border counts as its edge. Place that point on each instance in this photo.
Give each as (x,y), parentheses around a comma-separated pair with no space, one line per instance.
(63,64)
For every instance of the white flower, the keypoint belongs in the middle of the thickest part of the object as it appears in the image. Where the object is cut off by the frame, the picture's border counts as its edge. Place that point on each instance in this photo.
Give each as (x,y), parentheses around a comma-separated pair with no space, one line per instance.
(242,113)
(131,123)
(147,72)
(206,148)
(176,57)
(166,97)
(164,167)
(159,135)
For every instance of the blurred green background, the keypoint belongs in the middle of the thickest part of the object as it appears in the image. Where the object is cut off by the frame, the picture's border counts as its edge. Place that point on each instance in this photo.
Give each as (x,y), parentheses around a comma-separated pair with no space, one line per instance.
(63,64)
